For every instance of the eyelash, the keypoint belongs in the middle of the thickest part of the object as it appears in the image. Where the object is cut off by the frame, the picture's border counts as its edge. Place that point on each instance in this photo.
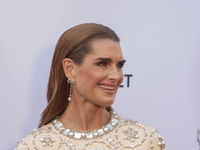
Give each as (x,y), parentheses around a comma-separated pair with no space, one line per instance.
(120,65)
(104,64)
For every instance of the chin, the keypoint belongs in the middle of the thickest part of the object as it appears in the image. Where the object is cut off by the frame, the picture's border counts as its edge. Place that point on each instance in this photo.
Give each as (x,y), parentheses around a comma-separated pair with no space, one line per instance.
(107,103)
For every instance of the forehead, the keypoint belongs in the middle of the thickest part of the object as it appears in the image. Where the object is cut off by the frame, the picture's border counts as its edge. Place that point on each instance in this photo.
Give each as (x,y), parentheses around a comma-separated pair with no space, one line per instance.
(106,48)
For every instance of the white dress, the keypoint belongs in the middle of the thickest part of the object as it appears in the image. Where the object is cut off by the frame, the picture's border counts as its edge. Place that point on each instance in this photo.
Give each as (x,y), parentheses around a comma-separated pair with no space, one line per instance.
(118,134)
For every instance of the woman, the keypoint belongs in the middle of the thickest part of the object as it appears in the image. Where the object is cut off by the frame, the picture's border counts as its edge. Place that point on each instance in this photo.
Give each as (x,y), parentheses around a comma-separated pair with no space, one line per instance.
(85,75)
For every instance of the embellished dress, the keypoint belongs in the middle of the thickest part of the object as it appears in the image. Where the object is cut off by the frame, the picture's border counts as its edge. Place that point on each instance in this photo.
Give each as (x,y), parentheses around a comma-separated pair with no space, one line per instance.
(118,134)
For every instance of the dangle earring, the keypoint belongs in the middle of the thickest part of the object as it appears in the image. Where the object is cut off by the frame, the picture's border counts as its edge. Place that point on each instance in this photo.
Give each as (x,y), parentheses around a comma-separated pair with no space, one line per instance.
(70,91)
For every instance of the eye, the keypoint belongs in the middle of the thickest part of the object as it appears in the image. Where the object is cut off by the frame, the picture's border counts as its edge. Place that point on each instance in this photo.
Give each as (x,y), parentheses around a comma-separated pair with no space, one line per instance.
(102,64)
(120,65)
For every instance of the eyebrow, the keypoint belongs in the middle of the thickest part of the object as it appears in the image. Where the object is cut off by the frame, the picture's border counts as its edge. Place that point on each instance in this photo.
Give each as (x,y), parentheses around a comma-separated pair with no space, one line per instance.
(122,61)
(105,59)
(109,59)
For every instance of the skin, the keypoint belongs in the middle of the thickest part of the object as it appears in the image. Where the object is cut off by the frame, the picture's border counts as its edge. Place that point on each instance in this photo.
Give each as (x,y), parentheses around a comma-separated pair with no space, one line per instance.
(103,66)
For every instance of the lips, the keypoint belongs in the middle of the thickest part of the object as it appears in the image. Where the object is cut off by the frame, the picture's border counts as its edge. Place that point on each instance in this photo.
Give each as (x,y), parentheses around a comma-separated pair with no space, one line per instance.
(106,87)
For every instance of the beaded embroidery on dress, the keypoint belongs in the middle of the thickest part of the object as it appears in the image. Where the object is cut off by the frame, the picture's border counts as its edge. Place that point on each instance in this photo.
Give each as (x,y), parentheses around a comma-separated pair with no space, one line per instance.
(118,134)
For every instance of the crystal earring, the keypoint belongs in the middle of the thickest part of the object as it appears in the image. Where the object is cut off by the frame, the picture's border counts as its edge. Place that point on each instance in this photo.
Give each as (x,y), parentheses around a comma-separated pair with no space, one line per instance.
(70,91)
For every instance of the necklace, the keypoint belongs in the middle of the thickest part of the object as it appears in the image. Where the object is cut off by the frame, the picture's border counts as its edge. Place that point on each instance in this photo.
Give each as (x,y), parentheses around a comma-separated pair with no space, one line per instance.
(87,134)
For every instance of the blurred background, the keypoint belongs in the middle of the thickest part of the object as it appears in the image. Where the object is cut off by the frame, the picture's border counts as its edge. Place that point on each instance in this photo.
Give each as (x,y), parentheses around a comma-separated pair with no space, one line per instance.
(160,41)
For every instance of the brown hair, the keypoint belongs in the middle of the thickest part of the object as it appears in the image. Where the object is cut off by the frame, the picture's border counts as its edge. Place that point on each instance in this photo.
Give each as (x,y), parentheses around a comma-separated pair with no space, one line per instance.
(74,44)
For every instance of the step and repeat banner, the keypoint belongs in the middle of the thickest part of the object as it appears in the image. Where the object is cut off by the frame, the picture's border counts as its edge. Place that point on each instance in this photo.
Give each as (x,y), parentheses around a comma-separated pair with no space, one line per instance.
(159,39)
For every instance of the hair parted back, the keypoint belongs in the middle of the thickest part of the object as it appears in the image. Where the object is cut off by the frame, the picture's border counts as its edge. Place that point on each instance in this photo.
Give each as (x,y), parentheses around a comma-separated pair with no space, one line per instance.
(74,44)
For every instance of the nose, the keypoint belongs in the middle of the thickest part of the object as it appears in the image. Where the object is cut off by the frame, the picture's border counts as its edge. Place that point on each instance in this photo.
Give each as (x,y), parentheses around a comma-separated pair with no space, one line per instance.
(114,74)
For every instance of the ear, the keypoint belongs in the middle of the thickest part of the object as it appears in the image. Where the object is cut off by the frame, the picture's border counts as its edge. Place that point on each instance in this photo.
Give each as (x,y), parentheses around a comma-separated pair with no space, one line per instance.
(68,67)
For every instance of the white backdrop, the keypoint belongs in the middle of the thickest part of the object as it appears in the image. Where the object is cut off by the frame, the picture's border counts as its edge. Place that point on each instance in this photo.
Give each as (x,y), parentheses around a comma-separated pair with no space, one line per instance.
(159,39)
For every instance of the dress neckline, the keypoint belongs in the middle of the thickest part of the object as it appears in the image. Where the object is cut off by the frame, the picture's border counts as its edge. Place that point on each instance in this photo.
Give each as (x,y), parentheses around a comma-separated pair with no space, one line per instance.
(114,121)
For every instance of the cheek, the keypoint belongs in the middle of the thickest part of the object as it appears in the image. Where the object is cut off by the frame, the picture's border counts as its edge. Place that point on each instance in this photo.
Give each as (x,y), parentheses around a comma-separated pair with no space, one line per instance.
(121,78)
(88,77)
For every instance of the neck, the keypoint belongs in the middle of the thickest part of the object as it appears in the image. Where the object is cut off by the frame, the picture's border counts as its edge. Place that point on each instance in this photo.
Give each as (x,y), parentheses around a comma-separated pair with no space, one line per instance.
(84,116)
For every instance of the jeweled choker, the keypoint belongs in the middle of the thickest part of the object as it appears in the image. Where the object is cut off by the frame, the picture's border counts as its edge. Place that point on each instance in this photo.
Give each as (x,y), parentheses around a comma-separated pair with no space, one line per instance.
(87,134)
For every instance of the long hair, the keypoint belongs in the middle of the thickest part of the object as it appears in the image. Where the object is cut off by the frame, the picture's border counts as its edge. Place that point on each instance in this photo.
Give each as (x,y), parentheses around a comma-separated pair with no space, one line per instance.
(74,44)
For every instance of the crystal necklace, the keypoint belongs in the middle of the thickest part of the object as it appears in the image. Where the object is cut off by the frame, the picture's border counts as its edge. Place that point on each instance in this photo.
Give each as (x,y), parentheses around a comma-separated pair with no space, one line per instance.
(87,134)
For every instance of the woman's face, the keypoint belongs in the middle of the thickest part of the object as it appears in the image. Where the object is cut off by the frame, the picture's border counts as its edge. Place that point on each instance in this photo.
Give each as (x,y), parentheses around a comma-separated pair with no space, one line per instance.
(98,78)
